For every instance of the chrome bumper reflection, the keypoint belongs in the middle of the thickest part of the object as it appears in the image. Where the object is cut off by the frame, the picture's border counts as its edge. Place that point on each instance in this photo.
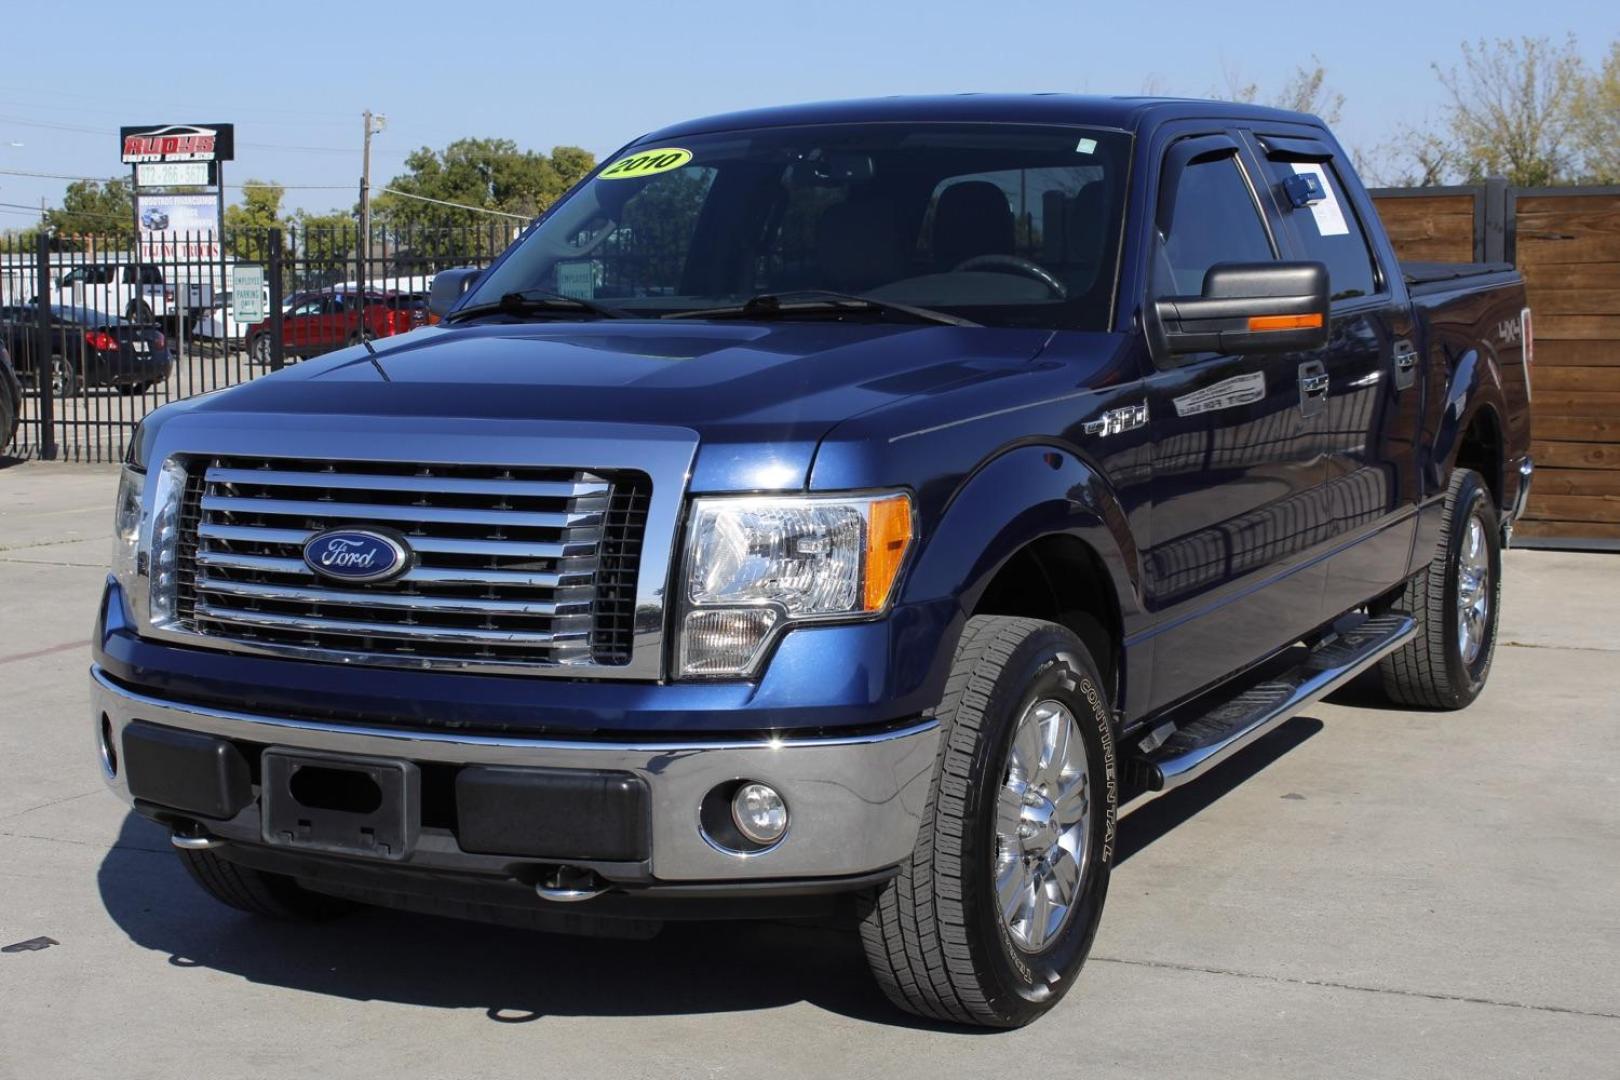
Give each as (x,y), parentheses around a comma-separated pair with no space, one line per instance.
(856,802)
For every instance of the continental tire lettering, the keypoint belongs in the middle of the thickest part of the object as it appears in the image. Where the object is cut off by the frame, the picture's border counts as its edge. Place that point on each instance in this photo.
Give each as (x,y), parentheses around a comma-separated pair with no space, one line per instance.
(646,163)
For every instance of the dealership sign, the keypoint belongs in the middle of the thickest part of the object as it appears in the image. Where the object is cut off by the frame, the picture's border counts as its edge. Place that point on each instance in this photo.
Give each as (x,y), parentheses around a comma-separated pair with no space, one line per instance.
(178,228)
(178,142)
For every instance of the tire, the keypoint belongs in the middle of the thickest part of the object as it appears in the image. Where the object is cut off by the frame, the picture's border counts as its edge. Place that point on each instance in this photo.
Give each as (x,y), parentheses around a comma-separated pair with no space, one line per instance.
(10,412)
(271,896)
(66,380)
(1435,669)
(259,349)
(139,311)
(934,935)
(136,389)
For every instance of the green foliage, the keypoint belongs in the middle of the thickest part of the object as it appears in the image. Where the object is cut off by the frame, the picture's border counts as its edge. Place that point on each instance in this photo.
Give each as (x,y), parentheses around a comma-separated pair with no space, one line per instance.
(248,222)
(491,174)
(1512,110)
(104,209)
(1597,121)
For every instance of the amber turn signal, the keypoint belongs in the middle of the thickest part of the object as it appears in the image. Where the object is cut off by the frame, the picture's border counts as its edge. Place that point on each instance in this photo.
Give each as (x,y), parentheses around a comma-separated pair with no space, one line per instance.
(888,534)
(1259,323)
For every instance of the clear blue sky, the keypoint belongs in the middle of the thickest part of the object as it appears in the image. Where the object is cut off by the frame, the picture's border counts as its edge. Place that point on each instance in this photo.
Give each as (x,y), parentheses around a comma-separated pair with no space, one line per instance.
(295,76)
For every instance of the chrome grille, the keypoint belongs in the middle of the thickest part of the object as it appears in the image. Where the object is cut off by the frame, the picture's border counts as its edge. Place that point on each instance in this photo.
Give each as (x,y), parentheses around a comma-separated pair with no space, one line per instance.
(514,567)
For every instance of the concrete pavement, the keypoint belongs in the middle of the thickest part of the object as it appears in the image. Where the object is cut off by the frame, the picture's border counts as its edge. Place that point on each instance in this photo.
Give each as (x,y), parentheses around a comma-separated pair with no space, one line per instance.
(1367,892)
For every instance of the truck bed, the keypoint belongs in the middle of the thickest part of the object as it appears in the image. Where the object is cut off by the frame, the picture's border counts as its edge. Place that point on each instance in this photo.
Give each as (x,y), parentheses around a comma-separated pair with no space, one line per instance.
(1423,277)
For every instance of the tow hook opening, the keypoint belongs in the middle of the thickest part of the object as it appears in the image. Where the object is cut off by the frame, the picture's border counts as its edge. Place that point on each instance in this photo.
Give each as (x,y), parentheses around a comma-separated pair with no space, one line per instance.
(569,884)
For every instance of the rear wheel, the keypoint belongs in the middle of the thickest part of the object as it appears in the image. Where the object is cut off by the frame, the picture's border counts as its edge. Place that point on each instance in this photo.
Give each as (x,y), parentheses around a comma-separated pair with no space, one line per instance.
(273,896)
(991,918)
(139,310)
(66,380)
(259,349)
(1456,600)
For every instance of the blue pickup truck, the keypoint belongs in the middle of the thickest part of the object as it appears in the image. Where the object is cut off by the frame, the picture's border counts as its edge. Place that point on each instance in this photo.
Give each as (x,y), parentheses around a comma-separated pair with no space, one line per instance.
(836,509)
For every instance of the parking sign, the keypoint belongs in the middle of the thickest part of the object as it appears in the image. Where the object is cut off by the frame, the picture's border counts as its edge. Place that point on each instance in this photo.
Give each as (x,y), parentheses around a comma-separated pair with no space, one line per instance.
(247,293)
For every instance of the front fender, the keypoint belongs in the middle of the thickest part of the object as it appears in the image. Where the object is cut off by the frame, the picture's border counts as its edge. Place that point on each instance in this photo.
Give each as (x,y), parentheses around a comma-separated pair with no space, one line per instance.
(1021,495)
(1017,497)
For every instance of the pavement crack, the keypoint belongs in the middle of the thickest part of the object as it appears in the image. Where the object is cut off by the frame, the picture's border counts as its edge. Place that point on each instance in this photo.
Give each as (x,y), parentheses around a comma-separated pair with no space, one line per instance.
(1331,984)
(50,802)
(1557,648)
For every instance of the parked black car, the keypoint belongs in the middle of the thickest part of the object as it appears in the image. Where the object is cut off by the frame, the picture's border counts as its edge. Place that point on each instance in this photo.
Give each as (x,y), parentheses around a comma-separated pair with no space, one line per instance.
(10,399)
(88,348)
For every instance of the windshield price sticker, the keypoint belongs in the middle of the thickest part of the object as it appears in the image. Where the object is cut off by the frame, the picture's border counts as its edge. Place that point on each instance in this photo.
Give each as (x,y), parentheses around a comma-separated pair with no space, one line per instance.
(646,163)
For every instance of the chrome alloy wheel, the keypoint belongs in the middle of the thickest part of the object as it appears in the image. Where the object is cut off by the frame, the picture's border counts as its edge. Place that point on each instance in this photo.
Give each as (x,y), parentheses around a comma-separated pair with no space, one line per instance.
(1473,590)
(1043,820)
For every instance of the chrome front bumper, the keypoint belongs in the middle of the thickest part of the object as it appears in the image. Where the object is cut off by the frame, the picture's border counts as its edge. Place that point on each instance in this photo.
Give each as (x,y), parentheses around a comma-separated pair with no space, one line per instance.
(855,802)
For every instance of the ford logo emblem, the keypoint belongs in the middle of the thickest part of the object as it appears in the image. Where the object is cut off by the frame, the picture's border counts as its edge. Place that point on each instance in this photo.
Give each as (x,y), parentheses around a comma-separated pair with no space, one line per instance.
(357,555)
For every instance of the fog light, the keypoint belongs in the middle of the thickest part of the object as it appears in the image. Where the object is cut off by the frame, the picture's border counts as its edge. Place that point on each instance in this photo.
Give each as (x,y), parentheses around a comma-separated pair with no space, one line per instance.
(759,813)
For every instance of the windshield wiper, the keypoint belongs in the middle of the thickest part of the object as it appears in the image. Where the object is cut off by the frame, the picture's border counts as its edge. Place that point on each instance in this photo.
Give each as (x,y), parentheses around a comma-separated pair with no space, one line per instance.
(529,302)
(819,301)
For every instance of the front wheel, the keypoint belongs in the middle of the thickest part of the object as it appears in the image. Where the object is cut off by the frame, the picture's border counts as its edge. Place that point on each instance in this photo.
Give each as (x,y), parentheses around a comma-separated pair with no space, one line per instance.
(259,349)
(991,918)
(1456,600)
(270,896)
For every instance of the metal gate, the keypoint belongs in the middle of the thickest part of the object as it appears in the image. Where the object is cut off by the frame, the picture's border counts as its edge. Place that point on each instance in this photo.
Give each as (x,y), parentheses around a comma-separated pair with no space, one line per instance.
(100,335)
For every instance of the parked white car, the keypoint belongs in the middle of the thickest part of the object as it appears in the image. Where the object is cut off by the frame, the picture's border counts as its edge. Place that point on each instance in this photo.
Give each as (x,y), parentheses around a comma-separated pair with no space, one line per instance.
(220,323)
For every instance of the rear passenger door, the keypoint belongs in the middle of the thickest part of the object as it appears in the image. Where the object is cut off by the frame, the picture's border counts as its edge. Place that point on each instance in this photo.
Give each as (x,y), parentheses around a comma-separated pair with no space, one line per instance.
(1371,418)
(1237,481)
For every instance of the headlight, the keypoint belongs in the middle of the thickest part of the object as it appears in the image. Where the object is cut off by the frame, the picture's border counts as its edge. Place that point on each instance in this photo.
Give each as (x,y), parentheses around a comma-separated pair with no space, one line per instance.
(146,543)
(756,565)
(127,528)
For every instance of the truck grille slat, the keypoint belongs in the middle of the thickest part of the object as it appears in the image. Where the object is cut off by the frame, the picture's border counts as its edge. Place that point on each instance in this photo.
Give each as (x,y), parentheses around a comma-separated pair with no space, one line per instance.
(298,508)
(515,568)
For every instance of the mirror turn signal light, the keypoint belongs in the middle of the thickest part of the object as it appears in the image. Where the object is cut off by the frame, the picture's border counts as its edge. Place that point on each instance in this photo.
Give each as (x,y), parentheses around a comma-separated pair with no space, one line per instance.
(1261,323)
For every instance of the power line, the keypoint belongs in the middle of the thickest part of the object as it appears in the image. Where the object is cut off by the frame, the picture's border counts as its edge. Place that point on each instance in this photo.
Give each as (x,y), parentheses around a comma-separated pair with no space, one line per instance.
(234,187)
(458,206)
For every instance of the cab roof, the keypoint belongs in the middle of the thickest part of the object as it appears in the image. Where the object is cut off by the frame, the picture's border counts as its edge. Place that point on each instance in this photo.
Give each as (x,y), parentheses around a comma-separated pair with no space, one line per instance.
(1132,114)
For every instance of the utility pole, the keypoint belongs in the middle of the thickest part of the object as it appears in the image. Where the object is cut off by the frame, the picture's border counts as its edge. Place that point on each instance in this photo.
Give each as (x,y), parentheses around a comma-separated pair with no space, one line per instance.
(374,124)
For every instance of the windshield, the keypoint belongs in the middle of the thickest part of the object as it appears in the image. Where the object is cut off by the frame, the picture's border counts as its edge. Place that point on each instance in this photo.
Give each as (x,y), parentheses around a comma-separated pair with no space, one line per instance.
(1003,225)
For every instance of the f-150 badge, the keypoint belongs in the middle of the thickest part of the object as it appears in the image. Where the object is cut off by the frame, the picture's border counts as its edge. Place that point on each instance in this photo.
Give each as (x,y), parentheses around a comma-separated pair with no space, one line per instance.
(1115,421)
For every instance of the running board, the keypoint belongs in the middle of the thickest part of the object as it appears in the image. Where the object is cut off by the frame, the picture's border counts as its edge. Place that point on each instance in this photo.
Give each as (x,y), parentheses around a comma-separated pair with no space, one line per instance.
(1195,747)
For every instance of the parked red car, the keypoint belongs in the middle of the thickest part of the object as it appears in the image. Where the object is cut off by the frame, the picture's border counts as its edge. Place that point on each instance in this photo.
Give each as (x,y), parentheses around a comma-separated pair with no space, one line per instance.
(320,322)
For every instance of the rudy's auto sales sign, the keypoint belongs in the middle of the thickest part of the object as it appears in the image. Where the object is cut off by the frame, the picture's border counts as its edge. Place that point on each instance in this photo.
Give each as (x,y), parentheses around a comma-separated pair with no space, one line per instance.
(178,142)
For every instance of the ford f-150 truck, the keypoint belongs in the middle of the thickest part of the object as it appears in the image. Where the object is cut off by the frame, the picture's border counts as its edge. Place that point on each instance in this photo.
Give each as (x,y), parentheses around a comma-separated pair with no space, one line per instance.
(829,509)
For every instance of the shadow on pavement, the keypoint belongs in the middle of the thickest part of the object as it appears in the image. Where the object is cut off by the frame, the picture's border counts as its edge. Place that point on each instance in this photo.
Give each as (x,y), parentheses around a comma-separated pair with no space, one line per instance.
(1153,820)
(513,975)
(517,976)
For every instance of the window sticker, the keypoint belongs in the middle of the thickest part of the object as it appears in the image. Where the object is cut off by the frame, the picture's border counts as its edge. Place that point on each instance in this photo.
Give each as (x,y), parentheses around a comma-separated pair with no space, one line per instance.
(646,163)
(577,279)
(1227,394)
(1328,213)
(1086,146)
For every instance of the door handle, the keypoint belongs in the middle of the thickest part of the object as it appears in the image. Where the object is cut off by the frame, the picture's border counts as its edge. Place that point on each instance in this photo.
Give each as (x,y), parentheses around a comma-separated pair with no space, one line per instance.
(1313,387)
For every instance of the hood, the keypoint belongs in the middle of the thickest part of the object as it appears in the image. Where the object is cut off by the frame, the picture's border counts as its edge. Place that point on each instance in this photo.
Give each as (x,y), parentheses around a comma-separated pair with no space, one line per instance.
(759,396)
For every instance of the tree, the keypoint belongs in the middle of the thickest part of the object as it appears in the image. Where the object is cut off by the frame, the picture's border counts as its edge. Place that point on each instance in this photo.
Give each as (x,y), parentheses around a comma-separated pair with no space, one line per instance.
(490,174)
(1512,111)
(1597,121)
(259,210)
(248,223)
(103,209)
(1305,91)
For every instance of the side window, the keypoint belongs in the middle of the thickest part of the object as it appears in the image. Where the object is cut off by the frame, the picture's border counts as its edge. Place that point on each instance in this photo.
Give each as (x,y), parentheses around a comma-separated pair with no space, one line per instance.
(1215,220)
(1329,231)
(151,275)
(308,307)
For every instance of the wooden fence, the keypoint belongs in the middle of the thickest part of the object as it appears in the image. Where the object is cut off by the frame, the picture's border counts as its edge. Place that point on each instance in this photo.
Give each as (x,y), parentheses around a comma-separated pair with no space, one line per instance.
(1566,241)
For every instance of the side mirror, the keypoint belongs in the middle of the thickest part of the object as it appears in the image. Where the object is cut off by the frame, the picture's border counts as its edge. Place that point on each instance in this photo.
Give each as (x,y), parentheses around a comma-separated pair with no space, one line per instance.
(449,286)
(1250,308)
